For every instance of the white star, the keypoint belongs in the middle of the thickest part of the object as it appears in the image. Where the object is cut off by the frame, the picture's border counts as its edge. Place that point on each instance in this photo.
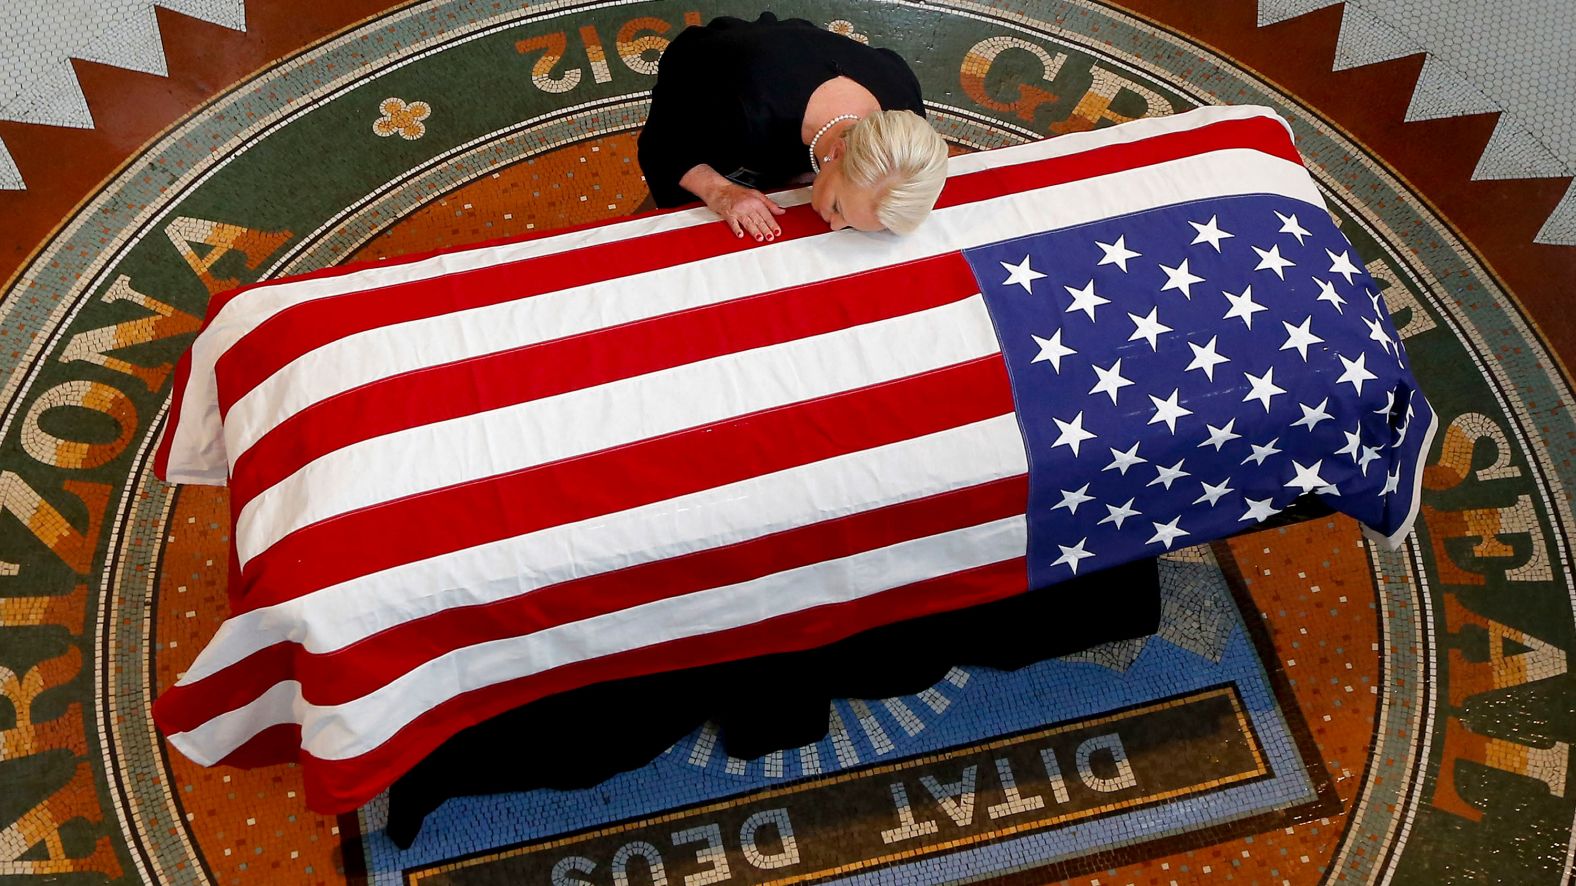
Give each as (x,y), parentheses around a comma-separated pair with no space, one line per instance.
(1180,278)
(1124,460)
(1356,372)
(1072,433)
(1111,380)
(1021,274)
(1289,226)
(1167,475)
(1072,498)
(1258,510)
(1327,293)
(1263,387)
(1147,327)
(1243,306)
(1260,453)
(1168,410)
(1376,333)
(1206,358)
(1406,425)
(1389,403)
(1271,260)
(1312,415)
(1328,490)
(1118,514)
(1117,253)
(1072,555)
(1353,441)
(1212,494)
(1300,337)
(1369,454)
(1085,299)
(1052,349)
(1209,233)
(1307,479)
(1219,437)
(1340,264)
(1166,533)
(1392,482)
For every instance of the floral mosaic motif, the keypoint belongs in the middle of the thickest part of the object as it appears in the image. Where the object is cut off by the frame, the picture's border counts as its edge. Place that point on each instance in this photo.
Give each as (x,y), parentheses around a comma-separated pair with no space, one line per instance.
(402,118)
(846,28)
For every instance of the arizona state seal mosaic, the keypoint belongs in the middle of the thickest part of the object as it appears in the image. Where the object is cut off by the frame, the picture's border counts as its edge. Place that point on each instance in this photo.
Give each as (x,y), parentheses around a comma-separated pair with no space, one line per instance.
(1311,710)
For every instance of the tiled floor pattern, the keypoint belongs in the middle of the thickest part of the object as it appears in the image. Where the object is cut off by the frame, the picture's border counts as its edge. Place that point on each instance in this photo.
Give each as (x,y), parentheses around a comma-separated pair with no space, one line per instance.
(1311,584)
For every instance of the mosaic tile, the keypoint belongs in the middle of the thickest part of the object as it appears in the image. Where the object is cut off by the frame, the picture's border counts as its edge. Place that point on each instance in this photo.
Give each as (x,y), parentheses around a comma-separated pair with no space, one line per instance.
(1316,710)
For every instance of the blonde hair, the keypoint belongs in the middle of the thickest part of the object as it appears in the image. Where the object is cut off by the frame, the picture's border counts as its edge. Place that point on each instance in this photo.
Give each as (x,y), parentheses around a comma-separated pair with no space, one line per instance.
(898,157)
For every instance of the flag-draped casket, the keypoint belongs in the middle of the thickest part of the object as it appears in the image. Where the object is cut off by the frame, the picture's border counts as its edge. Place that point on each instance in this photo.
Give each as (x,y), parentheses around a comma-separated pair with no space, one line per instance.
(466,481)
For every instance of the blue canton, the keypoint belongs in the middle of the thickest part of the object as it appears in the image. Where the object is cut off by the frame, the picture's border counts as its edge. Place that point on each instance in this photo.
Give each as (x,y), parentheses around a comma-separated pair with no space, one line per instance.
(1183,373)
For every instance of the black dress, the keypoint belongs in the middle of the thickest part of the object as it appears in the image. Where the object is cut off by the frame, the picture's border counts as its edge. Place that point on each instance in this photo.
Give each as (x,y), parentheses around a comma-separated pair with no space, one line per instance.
(732,95)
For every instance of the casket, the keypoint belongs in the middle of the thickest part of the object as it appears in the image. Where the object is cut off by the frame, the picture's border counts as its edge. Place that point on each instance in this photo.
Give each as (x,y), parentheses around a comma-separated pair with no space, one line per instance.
(470,482)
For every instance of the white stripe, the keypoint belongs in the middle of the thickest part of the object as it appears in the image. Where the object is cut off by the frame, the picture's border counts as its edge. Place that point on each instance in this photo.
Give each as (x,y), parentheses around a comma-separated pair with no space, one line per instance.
(338,732)
(198,452)
(337,616)
(512,438)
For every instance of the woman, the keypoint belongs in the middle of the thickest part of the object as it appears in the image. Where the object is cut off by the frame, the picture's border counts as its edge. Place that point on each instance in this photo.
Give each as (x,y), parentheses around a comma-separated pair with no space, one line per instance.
(740,107)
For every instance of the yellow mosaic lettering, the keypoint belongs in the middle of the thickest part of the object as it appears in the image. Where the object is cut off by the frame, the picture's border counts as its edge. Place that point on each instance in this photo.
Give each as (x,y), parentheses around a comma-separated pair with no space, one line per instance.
(553,47)
(1095,106)
(1547,765)
(41,826)
(48,525)
(633,49)
(977,64)
(1398,298)
(1490,526)
(28,736)
(1460,445)
(1542,661)
(66,610)
(94,346)
(595,54)
(221,239)
(52,449)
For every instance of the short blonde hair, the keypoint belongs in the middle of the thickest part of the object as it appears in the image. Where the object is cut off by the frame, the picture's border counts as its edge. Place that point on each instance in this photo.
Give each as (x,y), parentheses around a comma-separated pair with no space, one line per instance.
(897,156)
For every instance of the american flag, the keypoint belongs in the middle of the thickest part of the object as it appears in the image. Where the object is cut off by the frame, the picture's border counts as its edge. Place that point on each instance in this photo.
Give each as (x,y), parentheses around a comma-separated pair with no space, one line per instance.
(465,481)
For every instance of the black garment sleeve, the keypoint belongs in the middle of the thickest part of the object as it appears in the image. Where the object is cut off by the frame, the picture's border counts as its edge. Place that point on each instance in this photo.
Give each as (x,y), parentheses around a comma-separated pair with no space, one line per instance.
(689,119)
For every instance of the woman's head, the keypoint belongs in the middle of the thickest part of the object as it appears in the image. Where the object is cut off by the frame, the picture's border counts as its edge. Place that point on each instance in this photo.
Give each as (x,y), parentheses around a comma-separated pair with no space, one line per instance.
(886,171)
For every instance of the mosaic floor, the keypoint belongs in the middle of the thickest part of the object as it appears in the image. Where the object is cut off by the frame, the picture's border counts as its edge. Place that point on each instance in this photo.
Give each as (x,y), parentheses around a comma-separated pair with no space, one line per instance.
(1312,710)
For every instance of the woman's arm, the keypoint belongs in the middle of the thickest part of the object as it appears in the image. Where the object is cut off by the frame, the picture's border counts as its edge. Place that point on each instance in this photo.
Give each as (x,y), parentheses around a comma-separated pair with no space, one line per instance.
(744,209)
(680,129)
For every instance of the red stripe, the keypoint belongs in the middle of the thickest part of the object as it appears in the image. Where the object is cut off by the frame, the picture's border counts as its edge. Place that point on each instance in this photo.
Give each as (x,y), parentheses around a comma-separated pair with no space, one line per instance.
(335,786)
(318,322)
(277,744)
(346,674)
(1257,134)
(494,381)
(470,514)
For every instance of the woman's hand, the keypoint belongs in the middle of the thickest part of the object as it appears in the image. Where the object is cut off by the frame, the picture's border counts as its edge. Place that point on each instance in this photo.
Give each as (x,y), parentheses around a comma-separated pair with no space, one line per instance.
(744,209)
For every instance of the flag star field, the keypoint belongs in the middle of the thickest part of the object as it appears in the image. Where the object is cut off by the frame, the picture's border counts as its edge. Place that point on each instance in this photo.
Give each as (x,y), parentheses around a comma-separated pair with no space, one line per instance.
(1183,358)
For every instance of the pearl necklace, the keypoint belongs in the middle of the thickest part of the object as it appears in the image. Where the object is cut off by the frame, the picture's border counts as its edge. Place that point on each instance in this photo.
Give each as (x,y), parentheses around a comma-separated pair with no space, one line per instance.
(814,166)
